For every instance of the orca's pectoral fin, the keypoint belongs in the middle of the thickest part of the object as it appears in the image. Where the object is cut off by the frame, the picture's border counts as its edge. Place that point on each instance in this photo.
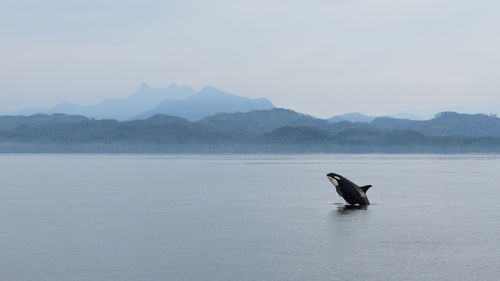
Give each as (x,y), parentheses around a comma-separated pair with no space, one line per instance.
(365,188)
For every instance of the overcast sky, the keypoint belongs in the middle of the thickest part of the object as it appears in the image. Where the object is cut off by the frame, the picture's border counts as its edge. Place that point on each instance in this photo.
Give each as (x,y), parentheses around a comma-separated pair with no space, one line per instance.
(318,57)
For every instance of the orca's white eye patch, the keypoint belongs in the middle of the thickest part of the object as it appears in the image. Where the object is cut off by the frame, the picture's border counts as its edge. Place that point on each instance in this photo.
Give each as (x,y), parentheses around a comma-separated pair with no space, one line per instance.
(336,177)
(334,181)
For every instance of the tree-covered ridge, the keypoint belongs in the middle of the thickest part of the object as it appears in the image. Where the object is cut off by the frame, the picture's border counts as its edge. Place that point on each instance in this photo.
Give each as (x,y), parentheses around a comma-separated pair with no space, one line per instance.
(11,122)
(446,123)
(277,130)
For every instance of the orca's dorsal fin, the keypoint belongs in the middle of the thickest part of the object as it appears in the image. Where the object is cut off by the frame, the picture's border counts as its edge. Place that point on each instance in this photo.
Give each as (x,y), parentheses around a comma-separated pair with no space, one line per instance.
(365,188)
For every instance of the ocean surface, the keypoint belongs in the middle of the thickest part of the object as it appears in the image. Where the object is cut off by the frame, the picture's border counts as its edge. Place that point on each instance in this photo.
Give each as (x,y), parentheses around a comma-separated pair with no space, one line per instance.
(248,217)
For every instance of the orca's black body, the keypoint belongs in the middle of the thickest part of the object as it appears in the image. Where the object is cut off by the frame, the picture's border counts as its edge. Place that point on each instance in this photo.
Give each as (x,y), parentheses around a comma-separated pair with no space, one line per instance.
(348,190)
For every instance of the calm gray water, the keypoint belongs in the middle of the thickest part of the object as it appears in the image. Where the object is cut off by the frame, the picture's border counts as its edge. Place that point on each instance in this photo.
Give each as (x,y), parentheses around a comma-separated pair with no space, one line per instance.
(251,217)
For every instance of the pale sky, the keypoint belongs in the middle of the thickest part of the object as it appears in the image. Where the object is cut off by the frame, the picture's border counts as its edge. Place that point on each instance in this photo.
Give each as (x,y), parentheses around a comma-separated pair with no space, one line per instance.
(318,57)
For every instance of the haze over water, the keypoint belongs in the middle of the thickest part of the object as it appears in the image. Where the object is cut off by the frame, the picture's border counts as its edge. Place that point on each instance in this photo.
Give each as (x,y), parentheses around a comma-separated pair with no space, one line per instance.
(248,217)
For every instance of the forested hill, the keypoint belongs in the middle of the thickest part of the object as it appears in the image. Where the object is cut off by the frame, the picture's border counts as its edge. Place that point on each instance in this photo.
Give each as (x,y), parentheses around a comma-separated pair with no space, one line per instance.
(446,123)
(275,130)
(11,122)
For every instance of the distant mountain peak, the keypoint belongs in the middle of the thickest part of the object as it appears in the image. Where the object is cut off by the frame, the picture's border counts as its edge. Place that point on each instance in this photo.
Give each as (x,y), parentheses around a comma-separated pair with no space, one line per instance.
(211,90)
(208,101)
(171,92)
(352,117)
(143,86)
(179,100)
(208,88)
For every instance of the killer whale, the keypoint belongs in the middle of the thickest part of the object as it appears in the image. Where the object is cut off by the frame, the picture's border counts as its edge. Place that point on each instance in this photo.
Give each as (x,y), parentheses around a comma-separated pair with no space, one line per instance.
(351,192)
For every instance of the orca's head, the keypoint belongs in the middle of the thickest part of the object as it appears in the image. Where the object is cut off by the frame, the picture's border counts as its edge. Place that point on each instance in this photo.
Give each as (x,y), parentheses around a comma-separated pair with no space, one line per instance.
(334,178)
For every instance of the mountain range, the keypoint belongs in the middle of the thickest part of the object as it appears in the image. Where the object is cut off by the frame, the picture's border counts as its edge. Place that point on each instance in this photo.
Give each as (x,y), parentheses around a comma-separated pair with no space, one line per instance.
(185,102)
(143,99)
(274,130)
(207,102)
(146,101)
(179,119)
